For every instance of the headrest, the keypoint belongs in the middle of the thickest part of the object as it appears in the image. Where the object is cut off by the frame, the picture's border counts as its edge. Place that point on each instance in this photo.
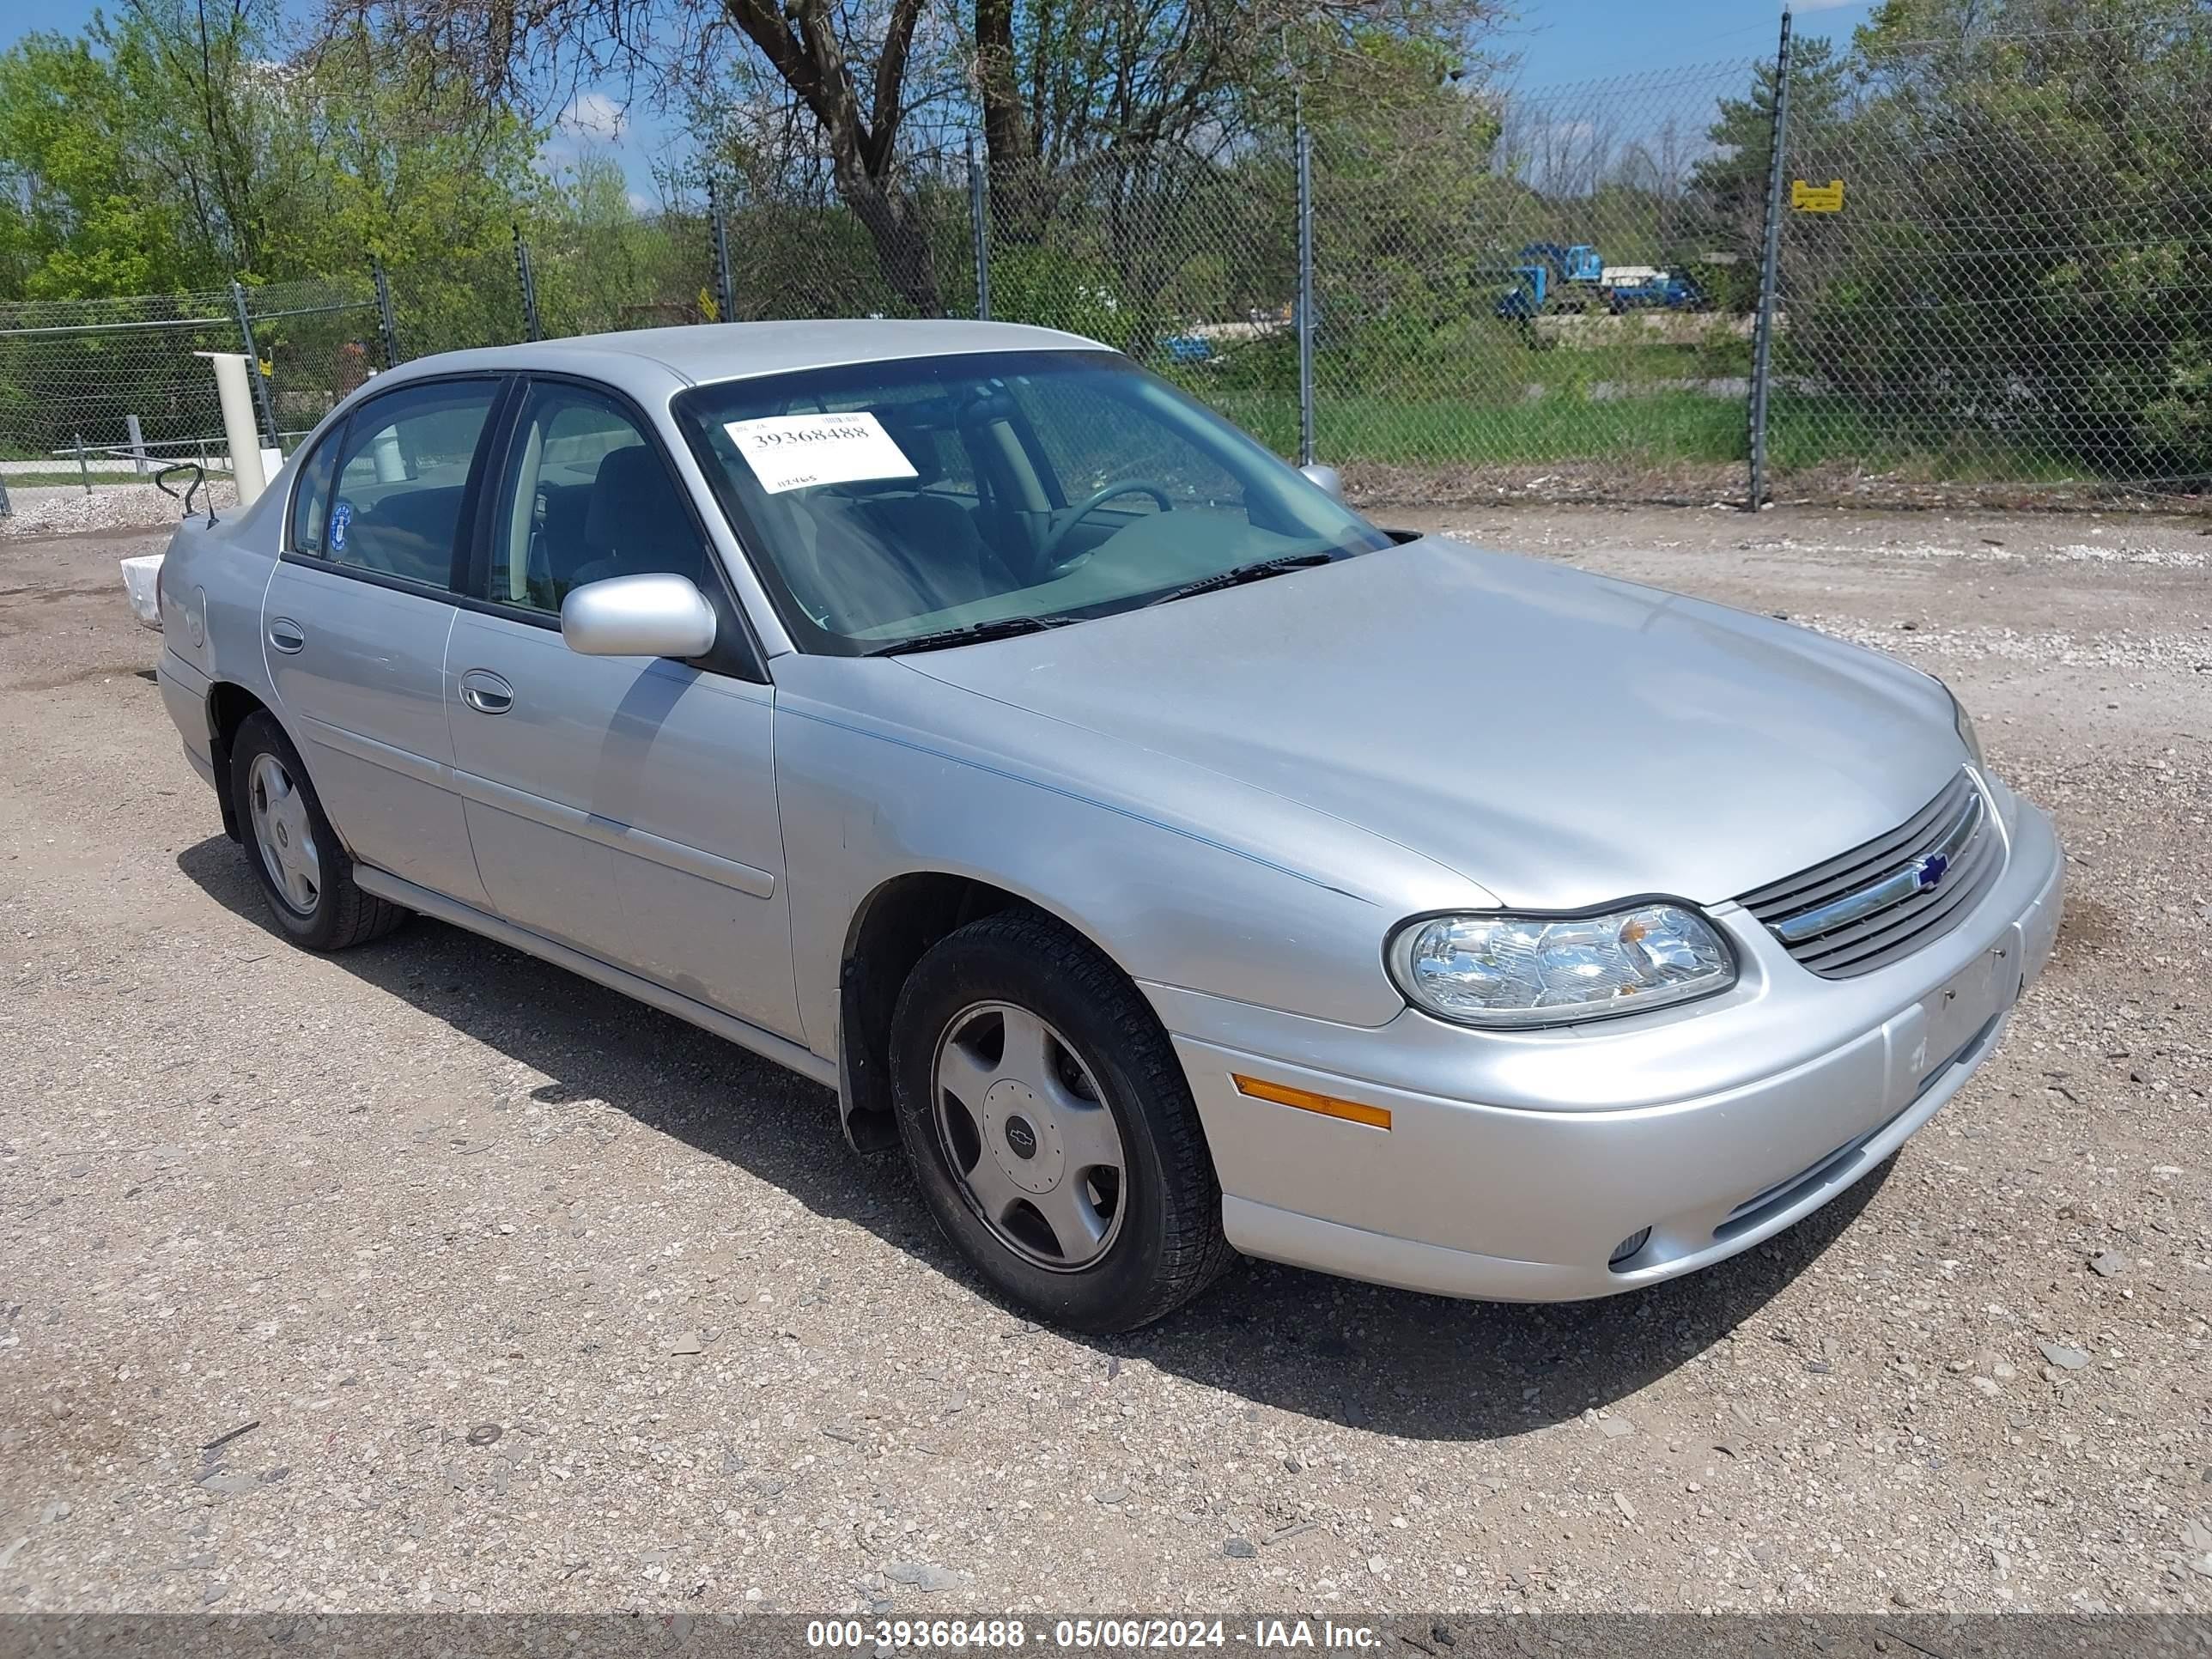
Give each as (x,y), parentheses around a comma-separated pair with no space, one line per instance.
(633,502)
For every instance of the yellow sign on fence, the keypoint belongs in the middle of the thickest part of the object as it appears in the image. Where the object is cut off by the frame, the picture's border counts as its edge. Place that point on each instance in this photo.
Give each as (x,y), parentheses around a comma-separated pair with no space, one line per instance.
(1817,199)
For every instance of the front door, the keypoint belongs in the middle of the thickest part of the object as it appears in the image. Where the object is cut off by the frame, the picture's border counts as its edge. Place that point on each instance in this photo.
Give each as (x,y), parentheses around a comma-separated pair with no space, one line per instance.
(623,805)
(356,619)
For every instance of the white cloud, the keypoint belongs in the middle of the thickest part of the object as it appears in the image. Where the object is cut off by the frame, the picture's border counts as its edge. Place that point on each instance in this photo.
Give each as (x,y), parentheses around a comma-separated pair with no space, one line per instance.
(593,116)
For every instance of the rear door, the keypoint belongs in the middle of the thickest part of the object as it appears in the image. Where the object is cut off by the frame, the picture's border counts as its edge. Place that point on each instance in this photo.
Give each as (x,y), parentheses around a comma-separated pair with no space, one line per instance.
(623,805)
(356,620)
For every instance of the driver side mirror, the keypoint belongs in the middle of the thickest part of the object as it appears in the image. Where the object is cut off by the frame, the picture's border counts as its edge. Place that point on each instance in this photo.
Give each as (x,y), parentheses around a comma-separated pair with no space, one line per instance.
(650,616)
(1327,476)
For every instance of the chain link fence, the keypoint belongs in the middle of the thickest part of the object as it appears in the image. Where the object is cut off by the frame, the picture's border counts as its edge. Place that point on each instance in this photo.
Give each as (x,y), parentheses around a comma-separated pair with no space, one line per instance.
(121,373)
(1542,293)
(2010,291)
(110,390)
(1971,269)
(468,299)
(315,342)
(1189,265)
(652,272)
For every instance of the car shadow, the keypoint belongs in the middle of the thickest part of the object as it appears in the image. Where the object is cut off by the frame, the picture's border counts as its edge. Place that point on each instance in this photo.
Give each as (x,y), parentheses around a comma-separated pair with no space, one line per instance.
(1421,1367)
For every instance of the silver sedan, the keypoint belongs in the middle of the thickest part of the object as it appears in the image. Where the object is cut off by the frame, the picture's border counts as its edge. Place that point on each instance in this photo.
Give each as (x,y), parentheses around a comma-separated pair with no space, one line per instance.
(1173,862)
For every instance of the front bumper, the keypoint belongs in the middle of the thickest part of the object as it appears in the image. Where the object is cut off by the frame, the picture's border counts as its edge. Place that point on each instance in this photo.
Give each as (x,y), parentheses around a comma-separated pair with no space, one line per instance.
(1517,1163)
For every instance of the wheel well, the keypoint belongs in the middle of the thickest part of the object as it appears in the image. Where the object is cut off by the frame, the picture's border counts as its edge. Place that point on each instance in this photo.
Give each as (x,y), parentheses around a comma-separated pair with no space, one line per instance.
(228,708)
(890,932)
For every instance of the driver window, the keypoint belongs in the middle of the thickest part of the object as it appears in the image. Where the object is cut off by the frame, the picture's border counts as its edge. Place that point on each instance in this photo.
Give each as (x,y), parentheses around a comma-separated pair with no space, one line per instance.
(402,476)
(587,496)
(1094,439)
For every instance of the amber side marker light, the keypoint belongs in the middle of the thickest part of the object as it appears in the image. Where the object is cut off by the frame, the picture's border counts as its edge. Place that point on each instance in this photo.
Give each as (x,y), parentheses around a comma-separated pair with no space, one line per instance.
(1351,1111)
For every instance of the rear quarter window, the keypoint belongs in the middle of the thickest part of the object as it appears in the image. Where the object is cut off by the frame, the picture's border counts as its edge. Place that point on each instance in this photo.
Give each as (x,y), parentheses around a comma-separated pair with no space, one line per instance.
(310,500)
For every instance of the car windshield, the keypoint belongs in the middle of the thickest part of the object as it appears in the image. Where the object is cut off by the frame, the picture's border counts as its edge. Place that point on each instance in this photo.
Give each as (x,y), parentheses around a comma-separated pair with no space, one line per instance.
(906,502)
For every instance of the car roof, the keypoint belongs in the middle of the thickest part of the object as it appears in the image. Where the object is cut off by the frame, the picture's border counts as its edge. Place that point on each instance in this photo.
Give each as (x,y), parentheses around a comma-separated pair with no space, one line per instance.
(646,359)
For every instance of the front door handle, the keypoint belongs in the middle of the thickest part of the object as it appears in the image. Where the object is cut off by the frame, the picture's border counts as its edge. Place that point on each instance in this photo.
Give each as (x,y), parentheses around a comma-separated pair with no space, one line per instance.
(485,692)
(284,634)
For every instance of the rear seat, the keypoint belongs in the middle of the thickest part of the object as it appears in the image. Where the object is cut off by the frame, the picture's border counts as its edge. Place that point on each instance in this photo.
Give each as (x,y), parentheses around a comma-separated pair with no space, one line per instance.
(409,533)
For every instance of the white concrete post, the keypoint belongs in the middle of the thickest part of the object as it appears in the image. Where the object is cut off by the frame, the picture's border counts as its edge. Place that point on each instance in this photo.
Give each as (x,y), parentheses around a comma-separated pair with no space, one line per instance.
(240,429)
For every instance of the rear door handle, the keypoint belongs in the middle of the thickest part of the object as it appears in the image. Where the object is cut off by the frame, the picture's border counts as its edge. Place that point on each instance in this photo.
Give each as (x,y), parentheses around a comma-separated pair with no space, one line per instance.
(284,634)
(485,692)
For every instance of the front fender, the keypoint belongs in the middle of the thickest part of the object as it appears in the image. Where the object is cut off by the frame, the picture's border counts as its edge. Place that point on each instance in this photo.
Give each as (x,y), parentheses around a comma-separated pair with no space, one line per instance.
(1184,877)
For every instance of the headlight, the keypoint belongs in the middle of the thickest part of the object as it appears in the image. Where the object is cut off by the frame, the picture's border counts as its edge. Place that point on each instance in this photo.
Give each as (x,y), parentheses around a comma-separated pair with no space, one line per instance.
(1965,722)
(1507,970)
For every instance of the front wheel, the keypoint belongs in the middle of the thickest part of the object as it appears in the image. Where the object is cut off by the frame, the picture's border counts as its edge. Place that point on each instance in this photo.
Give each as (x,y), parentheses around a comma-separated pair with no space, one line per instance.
(1050,1126)
(304,871)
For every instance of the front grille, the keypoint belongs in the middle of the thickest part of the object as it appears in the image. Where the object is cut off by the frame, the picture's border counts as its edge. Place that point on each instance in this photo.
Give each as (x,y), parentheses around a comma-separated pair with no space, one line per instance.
(1874,904)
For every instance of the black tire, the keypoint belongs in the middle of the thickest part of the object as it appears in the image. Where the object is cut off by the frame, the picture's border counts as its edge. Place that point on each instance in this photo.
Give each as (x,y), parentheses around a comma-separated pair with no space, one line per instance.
(1168,1245)
(341,914)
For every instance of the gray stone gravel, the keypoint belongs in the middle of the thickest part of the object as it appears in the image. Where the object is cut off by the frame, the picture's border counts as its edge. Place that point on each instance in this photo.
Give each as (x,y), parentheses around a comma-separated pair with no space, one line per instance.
(381,1205)
(53,510)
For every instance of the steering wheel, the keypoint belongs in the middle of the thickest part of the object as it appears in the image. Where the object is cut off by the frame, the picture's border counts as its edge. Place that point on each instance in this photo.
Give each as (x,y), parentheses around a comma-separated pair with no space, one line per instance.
(1048,555)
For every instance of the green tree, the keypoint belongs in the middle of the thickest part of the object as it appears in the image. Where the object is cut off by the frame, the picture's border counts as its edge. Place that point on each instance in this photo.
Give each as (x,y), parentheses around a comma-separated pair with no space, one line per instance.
(176,146)
(75,215)
(408,164)
(2018,266)
(866,100)
(1727,208)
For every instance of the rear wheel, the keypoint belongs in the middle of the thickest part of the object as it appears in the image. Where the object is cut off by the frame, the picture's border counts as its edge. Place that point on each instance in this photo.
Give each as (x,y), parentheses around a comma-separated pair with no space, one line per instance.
(1050,1126)
(304,871)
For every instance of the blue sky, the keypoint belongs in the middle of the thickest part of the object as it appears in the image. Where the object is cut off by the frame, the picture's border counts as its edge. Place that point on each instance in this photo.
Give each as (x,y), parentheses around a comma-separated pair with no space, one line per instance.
(1556,41)
(1581,40)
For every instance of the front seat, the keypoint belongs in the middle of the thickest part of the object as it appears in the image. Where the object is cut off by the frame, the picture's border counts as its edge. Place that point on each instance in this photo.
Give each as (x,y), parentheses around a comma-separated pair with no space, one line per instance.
(635,523)
(893,548)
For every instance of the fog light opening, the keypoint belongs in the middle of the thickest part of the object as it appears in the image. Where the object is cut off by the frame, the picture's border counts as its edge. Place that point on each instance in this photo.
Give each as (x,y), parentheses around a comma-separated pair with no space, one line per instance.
(1629,1248)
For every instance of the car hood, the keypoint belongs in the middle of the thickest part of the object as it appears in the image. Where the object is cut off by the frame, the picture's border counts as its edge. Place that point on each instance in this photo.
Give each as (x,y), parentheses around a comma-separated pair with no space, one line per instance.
(1558,738)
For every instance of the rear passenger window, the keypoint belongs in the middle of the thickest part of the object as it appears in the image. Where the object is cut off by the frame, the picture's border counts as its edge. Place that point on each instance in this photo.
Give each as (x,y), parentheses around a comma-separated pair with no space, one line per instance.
(401,474)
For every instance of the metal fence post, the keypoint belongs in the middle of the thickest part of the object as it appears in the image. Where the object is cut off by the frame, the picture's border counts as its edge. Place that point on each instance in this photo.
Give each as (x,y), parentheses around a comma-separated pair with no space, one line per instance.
(1762,349)
(386,327)
(262,404)
(1305,303)
(528,284)
(979,221)
(725,295)
(83,472)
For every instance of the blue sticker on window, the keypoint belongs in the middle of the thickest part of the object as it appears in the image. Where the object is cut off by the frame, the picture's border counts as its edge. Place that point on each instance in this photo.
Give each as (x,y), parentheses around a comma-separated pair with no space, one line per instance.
(341,516)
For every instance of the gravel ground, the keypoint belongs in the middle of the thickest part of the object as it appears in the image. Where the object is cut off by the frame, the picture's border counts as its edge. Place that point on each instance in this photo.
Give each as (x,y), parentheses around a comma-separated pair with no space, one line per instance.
(59,510)
(429,1277)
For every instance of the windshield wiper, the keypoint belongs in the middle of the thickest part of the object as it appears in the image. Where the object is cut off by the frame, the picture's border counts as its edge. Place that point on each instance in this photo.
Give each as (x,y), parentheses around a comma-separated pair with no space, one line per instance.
(972,633)
(1238,576)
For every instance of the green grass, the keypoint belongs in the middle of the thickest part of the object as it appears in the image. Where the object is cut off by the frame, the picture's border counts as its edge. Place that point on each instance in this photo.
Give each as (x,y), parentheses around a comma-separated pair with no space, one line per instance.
(1804,434)
(1637,431)
(1660,429)
(1475,393)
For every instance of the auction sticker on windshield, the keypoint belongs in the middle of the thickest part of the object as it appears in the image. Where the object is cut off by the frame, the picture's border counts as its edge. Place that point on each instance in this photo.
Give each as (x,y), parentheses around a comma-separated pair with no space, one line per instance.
(790,451)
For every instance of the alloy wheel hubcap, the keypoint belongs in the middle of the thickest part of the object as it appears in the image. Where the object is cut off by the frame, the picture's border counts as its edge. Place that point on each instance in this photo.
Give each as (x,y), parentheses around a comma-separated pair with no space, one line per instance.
(283,834)
(1028,1134)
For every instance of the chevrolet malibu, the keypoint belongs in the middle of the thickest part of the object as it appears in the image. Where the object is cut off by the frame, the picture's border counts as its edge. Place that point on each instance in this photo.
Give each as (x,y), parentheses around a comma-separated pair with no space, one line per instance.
(1172,862)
